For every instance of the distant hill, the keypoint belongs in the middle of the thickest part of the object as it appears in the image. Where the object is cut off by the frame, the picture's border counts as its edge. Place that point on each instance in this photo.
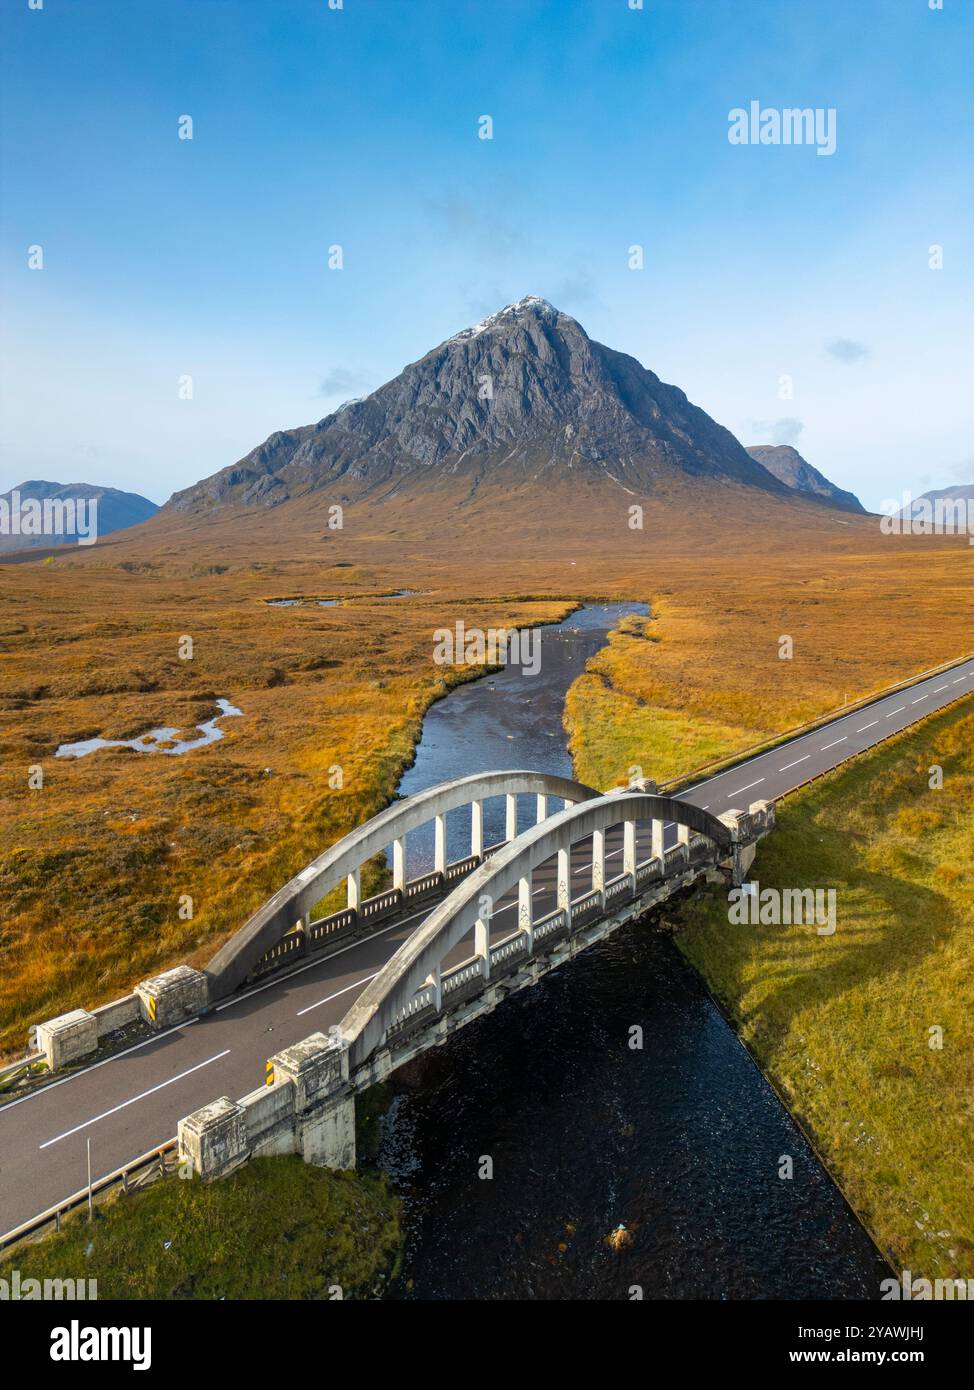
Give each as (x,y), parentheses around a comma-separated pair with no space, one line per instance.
(960,492)
(787,465)
(115,511)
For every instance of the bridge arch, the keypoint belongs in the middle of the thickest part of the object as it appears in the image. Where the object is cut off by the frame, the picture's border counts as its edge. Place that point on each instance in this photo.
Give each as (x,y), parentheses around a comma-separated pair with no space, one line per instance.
(291,904)
(418,960)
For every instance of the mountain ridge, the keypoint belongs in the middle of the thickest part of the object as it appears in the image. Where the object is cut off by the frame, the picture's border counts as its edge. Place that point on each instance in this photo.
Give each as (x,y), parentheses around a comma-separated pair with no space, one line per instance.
(787,465)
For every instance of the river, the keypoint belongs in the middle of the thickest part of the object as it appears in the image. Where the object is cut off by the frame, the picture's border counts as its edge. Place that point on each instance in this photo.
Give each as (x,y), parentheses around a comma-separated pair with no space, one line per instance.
(675,1147)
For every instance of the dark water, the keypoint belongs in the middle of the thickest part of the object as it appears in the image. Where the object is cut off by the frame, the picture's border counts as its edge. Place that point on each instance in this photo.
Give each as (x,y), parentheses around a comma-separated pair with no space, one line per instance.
(680,1141)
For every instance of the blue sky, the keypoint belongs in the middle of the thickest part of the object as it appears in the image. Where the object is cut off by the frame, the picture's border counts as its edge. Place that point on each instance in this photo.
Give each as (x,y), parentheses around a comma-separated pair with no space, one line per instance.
(208,258)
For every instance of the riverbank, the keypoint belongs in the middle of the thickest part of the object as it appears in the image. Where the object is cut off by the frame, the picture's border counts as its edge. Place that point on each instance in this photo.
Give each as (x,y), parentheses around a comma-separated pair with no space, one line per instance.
(276,1229)
(845,1025)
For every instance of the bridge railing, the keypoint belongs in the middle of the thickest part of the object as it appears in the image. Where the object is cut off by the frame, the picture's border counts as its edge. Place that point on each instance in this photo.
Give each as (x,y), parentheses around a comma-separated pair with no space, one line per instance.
(283,930)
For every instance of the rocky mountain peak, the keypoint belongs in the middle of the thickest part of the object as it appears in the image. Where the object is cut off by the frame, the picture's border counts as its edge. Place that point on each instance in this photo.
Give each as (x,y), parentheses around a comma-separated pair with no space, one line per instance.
(524,395)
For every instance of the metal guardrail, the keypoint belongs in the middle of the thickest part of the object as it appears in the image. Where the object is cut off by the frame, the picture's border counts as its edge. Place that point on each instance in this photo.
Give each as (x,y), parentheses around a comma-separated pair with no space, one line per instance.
(22,1064)
(130,1177)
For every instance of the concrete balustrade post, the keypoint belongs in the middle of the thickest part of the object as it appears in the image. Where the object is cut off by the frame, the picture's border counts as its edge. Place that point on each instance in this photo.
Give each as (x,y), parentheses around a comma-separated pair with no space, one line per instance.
(354,897)
(598,860)
(510,816)
(525,909)
(477,829)
(439,844)
(683,840)
(629,847)
(542,807)
(399,863)
(435,980)
(481,944)
(657,839)
(564,878)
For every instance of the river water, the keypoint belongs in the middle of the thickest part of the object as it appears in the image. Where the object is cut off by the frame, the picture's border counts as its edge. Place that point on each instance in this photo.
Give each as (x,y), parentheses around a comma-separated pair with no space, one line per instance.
(676,1147)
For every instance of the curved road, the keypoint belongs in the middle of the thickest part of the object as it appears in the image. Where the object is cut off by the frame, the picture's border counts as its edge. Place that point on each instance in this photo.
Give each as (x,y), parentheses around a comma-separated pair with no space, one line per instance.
(132,1102)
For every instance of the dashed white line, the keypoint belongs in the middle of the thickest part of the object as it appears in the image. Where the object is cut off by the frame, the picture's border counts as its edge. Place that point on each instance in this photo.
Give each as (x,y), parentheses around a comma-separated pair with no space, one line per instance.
(747,788)
(896,711)
(922,697)
(795,763)
(937,689)
(357,985)
(115,1108)
(825,748)
(867,726)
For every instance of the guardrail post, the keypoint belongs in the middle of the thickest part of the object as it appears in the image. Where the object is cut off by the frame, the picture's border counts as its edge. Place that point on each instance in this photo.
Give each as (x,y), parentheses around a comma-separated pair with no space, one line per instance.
(510,816)
(439,843)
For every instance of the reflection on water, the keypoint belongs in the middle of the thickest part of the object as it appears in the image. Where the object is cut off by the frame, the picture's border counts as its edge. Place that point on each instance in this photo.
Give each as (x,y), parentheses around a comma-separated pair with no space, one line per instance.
(161,740)
(680,1141)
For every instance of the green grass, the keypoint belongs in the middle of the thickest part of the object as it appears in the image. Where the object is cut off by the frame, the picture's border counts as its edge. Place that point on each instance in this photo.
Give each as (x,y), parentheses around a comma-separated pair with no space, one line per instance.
(277,1229)
(842,1024)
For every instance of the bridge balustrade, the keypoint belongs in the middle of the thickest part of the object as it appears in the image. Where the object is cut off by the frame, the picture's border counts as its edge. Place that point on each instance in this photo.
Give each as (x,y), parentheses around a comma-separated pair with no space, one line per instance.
(284,929)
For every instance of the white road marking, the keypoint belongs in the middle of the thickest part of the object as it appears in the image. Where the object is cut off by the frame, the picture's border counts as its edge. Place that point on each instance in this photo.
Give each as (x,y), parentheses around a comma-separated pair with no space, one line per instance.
(53,1085)
(357,985)
(896,711)
(142,1095)
(922,697)
(938,689)
(827,746)
(867,726)
(747,788)
(958,680)
(795,763)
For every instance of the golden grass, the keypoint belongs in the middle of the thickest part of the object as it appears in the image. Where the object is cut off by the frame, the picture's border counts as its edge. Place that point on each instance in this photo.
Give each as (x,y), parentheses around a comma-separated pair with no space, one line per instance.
(842,1024)
(92,867)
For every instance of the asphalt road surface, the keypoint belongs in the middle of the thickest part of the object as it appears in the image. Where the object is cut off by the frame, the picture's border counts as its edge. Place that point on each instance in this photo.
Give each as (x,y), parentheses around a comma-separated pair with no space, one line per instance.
(132,1102)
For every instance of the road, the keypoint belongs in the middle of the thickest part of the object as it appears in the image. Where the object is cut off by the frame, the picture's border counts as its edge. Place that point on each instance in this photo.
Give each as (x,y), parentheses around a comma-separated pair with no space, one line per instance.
(132,1102)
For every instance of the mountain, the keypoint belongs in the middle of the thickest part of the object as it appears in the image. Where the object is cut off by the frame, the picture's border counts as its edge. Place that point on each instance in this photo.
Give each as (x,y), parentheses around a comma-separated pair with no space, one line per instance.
(960,492)
(787,465)
(115,511)
(525,396)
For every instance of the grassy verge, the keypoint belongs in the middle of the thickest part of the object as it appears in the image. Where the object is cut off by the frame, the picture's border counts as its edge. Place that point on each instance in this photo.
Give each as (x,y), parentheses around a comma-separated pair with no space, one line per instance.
(842,1024)
(628,716)
(277,1229)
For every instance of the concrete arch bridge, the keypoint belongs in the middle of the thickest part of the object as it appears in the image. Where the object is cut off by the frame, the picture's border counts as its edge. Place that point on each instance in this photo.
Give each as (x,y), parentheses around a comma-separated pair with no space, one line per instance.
(481,927)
